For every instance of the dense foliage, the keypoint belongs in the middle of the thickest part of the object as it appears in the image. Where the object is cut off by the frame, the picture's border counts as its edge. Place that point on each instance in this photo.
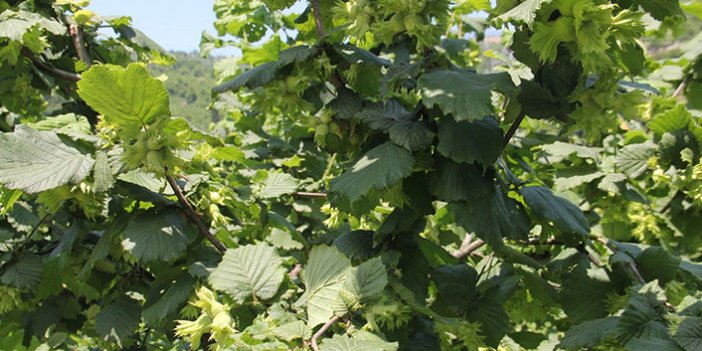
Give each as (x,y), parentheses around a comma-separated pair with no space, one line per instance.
(368,188)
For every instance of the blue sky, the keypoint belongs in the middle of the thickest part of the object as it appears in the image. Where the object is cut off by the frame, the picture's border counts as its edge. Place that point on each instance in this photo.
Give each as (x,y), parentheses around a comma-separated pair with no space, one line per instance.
(173,24)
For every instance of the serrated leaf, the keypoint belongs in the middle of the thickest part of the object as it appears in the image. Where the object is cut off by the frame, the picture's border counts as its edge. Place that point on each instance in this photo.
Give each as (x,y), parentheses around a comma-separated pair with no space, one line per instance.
(693,268)
(157,236)
(658,344)
(643,315)
(494,321)
(283,239)
(354,54)
(364,283)
(465,95)
(127,97)
(571,177)
(565,215)
(293,330)
(524,12)
(588,334)
(584,294)
(25,273)
(102,172)
(632,160)
(689,333)
(381,167)
(459,181)
(660,9)
(356,245)
(171,298)
(340,342)
(277,184)
(657,263)
(38,161)
(456,289)
(670,120)
(492,217)
(323,276)
(467,142)
(294,54)
(560,150)
(255,77)
(251,270)
(118,320)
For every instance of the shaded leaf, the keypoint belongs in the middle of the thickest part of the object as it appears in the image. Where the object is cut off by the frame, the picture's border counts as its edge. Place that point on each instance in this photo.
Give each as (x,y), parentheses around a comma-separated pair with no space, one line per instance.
(25,273)
(564,214)
(478,141)
(118,320)
(584,294)
(157,236)
(588,334)
(689,333)
(364,283)
(460,181)
(255,77)
(456,289)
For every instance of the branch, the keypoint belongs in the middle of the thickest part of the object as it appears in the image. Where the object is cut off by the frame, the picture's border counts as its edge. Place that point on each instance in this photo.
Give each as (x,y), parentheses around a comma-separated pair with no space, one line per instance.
(306,194)
(513,129)
(681,87)
(468,246)
(321,331)
(317,10)
(194,216)
(79,43)
(295,272)
(49,69)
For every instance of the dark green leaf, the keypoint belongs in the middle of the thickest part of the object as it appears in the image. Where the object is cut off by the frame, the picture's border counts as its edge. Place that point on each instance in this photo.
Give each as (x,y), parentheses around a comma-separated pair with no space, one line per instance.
(456,288)
(465,95)
(118,320)
(255,77)
(657,263)
(545,205)
(689,333)
(584,294)
(26,272)
(157,236)
(460,181)
(588,334)
(356,245)
(478,141)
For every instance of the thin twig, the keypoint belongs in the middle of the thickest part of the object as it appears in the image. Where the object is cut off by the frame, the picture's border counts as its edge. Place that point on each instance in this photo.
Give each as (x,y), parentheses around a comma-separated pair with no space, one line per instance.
(681,87)
(47,68)
(201,227)
(321,331)
(79,43)
(468,247)
(295,272)
(306,194)
(318,18)
(513,129)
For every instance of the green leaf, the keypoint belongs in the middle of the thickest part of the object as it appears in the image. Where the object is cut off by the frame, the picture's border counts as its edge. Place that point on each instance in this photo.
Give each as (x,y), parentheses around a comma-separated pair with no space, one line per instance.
(571,177)
(584,294)
(293,330)
(25,273)
(460,181)
(294,54)
(657,263)
(643,315)
(340,342)
(671,120)
(356,245)
(400,124)
(565,215)
(588,334)
(478,141)
(323,276)
(255,77)
(251,270)
(381,167)
(559,150)
(157,236)
(103,172)
(494,321)
(653,343)
(660,9)
(364,283)
(38,161)
(524,12)
(277,184)
(127,97)
(493,217)
(465,95)
(689,333)
(170,298)
(693,268)
(118,320)
(354,54)
(456,289)
(283,239)
(632,160)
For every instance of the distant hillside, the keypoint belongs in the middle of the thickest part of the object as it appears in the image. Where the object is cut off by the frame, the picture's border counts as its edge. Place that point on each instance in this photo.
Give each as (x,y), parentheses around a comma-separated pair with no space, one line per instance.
(189,82)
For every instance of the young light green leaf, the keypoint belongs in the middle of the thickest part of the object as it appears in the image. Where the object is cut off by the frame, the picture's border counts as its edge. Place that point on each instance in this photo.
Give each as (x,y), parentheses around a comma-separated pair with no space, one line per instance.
(127,97)
(379,168)
(467,142)
(466,95)
(524,12)
(632,160)
(157,236)
(38,161)
(251,270)
(566,216)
